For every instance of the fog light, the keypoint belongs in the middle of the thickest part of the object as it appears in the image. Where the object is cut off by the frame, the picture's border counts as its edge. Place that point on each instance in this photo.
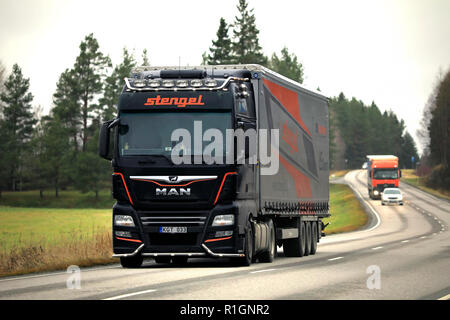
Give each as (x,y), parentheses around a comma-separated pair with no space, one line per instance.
(125,234)
(221,234)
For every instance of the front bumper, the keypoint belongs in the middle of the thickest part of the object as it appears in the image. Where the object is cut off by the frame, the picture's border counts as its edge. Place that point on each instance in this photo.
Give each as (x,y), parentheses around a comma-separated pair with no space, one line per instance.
(199,241)
(207,252)
(392,201)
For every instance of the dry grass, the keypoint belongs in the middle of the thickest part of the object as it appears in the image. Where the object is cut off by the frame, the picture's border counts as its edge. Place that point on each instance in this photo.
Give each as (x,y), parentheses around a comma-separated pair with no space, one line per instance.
(409,176)
(20,259)
(38,239)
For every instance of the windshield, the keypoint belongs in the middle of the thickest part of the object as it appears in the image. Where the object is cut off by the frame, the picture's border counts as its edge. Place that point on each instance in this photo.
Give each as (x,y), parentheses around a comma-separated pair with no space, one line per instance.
(385,174)
(391,191)
(150,133)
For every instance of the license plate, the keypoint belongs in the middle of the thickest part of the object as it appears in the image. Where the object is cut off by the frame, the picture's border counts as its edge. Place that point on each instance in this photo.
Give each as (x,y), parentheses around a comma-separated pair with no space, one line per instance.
(173,229)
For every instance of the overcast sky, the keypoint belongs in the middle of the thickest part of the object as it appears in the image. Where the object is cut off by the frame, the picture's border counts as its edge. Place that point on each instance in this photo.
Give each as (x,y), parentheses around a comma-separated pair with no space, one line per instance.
(388,51)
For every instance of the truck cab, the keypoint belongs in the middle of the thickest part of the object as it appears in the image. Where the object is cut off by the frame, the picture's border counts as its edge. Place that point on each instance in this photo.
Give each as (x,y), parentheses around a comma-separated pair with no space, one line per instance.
(382,172)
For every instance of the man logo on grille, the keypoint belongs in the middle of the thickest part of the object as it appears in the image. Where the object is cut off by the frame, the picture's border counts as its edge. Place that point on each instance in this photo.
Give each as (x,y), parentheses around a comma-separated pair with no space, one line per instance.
(173,179)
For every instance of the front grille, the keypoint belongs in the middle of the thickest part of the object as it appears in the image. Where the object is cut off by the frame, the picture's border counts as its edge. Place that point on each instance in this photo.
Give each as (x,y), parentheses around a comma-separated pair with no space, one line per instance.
(181,239)
(172,220)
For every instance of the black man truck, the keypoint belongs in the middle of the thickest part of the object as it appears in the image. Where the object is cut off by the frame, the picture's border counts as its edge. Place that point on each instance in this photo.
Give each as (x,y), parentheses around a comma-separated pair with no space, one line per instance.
(188,185)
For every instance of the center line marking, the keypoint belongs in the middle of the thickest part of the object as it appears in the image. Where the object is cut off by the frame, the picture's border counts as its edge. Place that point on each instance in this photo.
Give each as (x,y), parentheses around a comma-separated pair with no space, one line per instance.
(266,270)
(337,258)
(376,248)
(130,294)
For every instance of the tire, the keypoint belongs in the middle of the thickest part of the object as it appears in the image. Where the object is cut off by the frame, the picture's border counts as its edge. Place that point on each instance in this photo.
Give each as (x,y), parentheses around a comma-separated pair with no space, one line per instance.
(269,255)
(162,259)
(382,203)
(249,249)
(180,260)
(314,237)
(308,237)
(296,247)
(132,262)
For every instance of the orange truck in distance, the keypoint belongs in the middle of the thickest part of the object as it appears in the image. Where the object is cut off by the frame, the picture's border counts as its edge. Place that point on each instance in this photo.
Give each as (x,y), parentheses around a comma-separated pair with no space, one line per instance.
(382,172)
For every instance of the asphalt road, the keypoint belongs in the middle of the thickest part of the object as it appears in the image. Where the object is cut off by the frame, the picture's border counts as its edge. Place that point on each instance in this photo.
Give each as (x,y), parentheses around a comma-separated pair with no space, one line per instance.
(403,253)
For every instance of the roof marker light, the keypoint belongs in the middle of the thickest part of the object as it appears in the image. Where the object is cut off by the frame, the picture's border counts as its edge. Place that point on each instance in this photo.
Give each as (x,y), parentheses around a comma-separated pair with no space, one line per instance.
(210,83)
(154,83)
(139,83)
(168,83)
(182,83)
(196,83)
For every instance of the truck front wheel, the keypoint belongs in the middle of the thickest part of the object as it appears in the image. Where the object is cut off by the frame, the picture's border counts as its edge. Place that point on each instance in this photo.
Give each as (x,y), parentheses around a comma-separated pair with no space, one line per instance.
(248,247)
(132,262)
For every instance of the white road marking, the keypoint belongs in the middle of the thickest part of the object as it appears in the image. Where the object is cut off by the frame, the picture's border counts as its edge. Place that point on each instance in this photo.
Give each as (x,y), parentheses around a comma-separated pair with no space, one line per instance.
(376,248)
(337,258)
(423,237)
(130,294)
(404,241)
(266,270)
(447,297)
(56,273)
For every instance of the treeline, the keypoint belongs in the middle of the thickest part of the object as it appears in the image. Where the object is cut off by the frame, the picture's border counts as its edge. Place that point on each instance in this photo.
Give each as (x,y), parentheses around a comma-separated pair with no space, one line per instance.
(357,130)
(59,150)
(435,133)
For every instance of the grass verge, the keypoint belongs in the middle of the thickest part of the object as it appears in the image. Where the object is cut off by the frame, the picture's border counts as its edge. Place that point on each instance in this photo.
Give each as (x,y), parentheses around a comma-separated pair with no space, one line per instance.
(65,199)
(347,213)
(37,239)
(409,176)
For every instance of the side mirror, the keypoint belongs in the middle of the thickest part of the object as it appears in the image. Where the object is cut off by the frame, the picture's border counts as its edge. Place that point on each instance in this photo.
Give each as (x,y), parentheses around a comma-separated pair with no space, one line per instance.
(400,173)
(103,141)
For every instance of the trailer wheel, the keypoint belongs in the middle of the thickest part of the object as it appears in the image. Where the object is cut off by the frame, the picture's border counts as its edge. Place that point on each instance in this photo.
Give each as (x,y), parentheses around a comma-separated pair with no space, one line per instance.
(308,238)
(296,247)
(269,255)
(248,247)
(314,238)
(132,262)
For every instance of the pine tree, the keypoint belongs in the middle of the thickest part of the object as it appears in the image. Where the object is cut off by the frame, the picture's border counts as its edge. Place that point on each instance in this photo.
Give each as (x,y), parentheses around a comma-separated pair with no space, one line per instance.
(220,52)
(245,45)
(89,71)
(408,150)
(66,107)
(114,85)
(18,122)
(287,65)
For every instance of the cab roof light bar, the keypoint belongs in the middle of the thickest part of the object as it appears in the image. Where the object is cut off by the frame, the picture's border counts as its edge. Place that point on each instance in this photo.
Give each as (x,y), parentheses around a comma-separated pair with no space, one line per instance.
(195,84)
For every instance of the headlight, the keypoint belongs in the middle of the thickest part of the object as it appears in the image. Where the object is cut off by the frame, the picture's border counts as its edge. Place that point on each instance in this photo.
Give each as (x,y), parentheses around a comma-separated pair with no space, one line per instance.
(223,220)
(125,221)
(375,192)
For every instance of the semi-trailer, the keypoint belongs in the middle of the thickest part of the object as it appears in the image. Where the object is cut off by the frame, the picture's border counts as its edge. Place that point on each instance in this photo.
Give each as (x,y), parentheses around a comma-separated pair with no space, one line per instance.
(183,193)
